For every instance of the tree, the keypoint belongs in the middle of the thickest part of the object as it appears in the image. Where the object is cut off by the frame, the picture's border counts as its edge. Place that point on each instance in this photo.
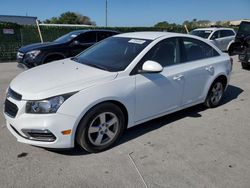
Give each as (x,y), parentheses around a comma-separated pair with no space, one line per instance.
(163,24)
(197,23)
(186,22)
(70,18)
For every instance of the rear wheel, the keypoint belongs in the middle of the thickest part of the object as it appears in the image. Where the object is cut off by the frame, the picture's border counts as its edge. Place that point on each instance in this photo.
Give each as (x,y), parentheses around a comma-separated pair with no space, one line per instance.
(100,128)
(215,94)
(245,65)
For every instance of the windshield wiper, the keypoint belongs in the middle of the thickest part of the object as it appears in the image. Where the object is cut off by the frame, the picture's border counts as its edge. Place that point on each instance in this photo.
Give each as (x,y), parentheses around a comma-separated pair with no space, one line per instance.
(96,66)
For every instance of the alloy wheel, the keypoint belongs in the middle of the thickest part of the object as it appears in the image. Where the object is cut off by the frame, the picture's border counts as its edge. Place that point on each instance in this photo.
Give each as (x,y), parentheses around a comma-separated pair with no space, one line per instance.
(217,93)
(103,129)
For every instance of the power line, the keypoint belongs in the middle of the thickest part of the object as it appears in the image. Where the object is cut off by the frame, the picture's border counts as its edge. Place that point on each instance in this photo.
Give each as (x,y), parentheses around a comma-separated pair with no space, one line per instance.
(106,13)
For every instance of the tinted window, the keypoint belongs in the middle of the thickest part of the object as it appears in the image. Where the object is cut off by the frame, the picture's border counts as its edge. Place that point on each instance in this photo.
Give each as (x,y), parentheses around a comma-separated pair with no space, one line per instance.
(89,37)
(201,33)
(226,33)
(68,37)
(193,49)
(103,35)
(165,52)
(244,28)
(112,54)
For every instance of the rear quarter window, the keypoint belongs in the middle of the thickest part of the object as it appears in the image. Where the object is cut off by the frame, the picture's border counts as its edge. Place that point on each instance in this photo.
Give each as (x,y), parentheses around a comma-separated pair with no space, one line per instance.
(226,33)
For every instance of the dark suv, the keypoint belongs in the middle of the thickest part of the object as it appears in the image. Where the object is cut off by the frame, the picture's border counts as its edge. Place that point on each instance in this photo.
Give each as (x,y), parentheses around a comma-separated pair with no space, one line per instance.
(66,46)
(241,46)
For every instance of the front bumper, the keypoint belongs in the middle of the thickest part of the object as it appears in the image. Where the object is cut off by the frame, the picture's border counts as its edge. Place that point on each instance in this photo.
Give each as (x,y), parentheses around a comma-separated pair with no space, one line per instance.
(27,62)
(54,123)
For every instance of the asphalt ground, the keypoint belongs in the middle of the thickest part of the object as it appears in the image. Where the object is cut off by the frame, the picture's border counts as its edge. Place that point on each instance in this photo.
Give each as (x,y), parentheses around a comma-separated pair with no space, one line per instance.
(196,147)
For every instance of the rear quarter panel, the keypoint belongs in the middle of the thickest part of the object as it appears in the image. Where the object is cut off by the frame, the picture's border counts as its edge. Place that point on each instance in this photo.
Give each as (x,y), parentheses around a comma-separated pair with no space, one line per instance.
(222,67)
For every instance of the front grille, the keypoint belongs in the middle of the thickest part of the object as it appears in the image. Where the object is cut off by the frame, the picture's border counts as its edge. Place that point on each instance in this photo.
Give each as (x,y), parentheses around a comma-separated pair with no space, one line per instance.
(11,93)
(10,108)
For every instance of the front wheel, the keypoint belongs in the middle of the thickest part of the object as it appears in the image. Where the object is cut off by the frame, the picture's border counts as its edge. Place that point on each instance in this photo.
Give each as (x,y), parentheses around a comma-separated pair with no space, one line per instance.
(215,94)
(100,127)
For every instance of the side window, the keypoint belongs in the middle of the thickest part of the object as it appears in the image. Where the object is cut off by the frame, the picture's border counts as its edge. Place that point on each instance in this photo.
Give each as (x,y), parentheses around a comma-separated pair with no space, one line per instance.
(216,35)
(226,33)
(103,35)
(89,37)
(165,52)
(193,49)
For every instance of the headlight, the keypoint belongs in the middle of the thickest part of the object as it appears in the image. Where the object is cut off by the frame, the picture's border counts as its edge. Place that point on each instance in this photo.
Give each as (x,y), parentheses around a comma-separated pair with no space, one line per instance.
(33,53)
(46,106)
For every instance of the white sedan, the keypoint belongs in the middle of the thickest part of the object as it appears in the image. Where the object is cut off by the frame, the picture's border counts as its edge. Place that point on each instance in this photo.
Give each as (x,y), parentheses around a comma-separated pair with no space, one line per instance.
(118,83)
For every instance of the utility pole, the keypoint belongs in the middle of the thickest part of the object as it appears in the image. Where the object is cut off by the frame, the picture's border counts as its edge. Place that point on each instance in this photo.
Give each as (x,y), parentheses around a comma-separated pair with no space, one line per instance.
(106,13)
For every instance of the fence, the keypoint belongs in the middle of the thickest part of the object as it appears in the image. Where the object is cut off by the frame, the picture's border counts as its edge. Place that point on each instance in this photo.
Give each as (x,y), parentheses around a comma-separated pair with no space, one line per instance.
(17,35)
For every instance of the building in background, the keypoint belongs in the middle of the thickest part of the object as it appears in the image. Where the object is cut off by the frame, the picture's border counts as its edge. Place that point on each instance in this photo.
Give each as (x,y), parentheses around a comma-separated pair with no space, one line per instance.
(21,20)
(237,22)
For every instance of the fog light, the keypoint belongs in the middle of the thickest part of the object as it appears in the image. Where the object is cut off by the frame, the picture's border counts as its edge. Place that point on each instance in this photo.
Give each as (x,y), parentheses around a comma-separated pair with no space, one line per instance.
(39,135)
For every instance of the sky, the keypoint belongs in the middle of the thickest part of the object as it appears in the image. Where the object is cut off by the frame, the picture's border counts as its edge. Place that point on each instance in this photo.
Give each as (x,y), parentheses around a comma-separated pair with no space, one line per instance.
(132,12)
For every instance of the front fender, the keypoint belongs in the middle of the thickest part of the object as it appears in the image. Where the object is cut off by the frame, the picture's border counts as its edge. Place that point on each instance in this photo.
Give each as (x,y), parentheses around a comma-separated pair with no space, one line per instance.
(121,90)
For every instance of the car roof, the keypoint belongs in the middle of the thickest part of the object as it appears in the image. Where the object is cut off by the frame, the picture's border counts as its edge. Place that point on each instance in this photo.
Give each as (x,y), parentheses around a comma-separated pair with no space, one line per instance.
(88,30)
(212,28)
(149,35)
(247,21)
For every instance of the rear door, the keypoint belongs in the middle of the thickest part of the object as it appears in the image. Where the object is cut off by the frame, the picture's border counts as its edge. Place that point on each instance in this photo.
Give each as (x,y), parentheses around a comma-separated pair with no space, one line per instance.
(227,36)
(196,58)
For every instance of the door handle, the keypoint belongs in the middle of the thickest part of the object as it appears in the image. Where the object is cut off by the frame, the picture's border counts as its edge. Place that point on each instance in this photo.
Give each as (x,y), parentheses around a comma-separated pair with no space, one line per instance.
(179,77)
(210,69)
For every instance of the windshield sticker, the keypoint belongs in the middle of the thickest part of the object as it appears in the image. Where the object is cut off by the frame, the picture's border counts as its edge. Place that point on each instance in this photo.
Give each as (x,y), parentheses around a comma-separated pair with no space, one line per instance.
(73,36)
(208,31)
(137,41)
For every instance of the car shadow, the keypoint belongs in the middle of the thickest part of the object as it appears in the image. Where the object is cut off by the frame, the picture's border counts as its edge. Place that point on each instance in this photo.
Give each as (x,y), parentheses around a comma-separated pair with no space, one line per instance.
(232,93)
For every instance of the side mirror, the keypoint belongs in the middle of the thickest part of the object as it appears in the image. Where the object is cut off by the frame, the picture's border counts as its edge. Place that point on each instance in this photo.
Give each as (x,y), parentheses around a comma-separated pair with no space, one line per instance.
(151,67)
(75,43)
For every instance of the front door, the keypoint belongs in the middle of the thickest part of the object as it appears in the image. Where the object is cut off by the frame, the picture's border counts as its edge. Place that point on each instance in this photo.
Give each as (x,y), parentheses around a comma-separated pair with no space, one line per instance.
(157,93)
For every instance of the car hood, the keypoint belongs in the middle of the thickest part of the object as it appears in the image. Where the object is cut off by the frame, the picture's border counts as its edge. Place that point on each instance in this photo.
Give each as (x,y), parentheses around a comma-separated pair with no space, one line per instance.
(58,78)
(38,46)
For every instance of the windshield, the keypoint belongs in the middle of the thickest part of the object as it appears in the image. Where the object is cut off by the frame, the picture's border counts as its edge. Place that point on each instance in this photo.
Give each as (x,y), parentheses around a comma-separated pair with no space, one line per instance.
(112,54)
(201,33)
(66,38)
(244,28)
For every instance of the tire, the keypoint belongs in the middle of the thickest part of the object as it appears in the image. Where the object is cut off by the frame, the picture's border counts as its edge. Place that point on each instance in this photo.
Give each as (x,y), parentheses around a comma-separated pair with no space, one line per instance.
(95,133)
(215,94)
(245,65)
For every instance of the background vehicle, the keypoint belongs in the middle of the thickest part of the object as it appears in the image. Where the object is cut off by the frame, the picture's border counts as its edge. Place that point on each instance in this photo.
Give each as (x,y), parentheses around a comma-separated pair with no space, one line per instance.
(122,81)
(241,46)
(220,37)
(66,46)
